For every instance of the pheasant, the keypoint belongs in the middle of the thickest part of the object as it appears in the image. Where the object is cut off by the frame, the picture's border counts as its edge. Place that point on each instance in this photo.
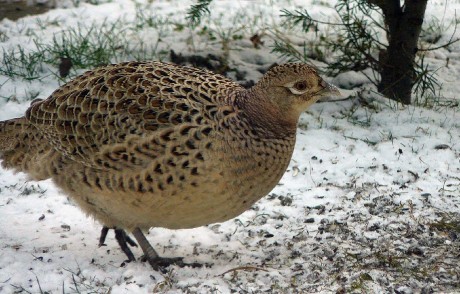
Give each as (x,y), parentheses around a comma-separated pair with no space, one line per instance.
(150,144)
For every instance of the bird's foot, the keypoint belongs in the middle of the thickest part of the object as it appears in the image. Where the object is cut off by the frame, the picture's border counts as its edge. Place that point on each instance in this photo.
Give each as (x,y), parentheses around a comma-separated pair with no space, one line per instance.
(158,263)
(161,263)
(123,240)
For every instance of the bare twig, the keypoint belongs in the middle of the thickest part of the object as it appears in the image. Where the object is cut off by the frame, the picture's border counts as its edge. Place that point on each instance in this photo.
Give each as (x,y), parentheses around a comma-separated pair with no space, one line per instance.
(244,268)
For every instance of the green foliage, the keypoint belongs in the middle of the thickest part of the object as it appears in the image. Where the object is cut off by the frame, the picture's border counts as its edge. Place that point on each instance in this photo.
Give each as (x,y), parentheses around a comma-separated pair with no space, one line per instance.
(426,83)
(285,50)
(76,3)
(357,41)
(17,62)
(298,17)
(149,18)
(196,12)
(87,48)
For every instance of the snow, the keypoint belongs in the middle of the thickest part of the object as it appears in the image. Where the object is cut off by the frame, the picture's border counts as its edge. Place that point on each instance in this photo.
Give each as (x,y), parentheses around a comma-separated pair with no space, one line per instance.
(360,207)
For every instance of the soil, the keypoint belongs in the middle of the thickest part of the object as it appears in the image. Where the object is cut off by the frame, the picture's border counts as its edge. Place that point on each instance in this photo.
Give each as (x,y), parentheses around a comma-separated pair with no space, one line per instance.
(14,10)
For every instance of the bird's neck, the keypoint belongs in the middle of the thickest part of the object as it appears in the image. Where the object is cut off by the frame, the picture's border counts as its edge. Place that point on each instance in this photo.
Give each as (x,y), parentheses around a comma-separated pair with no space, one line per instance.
(262,115)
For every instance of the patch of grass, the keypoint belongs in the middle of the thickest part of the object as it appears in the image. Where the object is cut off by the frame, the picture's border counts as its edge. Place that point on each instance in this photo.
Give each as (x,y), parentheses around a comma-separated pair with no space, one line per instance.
(87,46)
(155,48)
(10,97)
(3,37)
(31,95)
(359,283)
(214,31)
(433,29)
(47,23)
(321,2)
(97,45)
(148,50)
(386,136)
(26,189)
(359,116)
(167,283)
(146,17)
(226,35)
(21,289)
(447,224)
(77,3)
(286,50)
(83,284)
(18,63)
(426,86)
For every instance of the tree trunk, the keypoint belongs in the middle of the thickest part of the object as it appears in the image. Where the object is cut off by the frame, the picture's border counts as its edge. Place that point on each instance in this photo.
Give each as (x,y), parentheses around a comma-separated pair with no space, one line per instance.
(397,62)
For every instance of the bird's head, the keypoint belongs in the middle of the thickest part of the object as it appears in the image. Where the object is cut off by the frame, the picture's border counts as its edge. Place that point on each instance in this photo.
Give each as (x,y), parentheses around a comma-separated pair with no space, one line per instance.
(291,88)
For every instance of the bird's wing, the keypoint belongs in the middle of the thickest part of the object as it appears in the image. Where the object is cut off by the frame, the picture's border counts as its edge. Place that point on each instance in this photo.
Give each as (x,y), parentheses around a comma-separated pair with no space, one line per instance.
(109,117)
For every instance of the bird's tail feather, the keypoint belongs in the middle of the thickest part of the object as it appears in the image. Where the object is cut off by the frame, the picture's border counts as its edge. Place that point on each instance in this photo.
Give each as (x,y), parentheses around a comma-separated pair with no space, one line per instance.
(16,144)
(10,133)
(24,149)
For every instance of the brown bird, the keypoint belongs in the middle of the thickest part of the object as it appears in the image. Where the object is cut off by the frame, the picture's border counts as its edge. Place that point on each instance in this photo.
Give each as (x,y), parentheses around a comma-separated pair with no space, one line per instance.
(149,144)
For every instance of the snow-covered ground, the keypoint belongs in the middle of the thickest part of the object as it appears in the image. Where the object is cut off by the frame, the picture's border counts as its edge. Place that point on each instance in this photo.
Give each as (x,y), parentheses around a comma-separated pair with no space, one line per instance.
(370,202)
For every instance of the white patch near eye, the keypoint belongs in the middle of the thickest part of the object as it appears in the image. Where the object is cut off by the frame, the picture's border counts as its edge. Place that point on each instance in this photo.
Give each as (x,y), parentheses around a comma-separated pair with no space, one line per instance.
(293,87)
(297,92)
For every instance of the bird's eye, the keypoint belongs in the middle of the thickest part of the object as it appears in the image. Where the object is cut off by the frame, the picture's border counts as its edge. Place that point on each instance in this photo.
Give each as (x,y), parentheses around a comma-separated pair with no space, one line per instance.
(300,86)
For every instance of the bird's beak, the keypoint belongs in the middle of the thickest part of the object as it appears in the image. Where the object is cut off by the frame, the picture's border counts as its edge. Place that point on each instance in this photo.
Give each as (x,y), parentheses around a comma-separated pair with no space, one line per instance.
(329,91)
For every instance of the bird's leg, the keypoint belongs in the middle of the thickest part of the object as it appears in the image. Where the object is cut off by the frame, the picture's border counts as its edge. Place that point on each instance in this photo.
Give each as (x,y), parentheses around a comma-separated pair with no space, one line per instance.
(104,232)
(157,262)
(122,238)
(129,240)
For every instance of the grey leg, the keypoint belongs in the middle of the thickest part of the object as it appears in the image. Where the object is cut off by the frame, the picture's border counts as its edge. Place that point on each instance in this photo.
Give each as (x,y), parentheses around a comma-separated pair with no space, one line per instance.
(158,263)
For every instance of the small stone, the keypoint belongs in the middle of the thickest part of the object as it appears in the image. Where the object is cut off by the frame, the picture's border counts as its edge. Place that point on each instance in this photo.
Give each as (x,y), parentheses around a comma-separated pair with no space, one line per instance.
(441,147)
(65,227)
(415,250)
